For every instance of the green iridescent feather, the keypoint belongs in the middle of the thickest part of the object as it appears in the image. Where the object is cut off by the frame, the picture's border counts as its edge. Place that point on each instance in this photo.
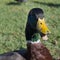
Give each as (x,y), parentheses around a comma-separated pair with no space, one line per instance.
(35,37)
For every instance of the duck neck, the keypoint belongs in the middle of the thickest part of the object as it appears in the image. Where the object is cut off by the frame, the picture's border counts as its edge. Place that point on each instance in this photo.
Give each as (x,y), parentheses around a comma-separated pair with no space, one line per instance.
(35,38)
(31,34)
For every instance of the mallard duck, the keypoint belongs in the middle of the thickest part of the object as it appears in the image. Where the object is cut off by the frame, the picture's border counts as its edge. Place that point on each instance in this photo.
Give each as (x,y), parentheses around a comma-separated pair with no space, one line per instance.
(21,1)
(36,24)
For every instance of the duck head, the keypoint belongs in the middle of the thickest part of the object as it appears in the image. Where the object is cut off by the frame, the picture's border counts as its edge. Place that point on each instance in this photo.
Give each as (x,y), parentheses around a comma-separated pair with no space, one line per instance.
(36,22)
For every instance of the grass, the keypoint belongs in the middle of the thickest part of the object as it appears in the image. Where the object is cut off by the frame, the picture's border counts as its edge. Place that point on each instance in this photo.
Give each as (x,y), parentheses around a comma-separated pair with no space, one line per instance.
(13,17)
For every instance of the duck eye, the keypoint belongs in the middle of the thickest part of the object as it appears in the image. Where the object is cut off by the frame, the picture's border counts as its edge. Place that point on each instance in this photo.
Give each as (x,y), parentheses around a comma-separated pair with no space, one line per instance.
(41,23)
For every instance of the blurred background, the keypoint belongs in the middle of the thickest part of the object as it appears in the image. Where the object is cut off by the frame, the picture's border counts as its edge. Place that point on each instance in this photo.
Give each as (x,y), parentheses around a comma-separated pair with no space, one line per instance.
(13,17)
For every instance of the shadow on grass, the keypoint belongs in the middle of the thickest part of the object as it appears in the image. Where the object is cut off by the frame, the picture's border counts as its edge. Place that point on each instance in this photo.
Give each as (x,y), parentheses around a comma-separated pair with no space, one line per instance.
(13,3)
(48,4)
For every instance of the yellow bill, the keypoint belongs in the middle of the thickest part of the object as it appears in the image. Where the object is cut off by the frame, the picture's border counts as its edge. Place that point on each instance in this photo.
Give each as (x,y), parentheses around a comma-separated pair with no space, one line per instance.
(42,27)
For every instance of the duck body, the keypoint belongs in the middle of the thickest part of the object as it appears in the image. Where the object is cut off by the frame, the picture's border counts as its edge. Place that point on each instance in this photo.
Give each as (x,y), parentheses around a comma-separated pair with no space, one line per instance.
(38,51)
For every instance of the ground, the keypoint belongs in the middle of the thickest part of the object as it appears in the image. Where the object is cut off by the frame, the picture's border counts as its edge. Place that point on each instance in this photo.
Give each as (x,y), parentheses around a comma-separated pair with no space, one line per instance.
(13,17)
